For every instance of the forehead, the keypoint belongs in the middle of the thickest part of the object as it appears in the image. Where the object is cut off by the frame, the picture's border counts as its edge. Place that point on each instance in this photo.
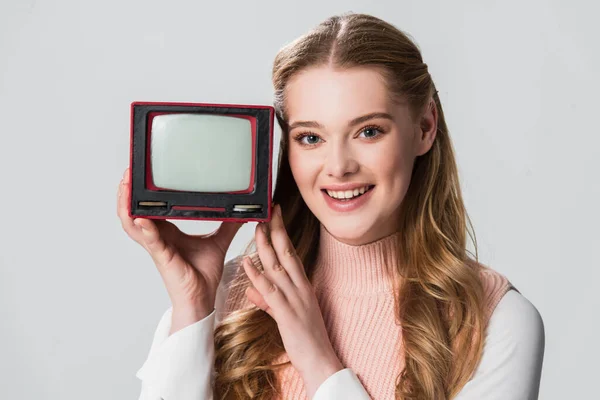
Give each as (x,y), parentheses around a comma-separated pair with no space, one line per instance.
(334,96)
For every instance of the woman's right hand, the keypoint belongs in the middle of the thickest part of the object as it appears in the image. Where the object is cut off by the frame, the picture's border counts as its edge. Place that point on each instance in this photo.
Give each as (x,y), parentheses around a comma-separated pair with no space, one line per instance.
(191,266)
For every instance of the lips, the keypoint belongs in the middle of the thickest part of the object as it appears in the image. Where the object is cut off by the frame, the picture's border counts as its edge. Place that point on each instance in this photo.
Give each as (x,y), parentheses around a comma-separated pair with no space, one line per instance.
(345,195)
(348,204)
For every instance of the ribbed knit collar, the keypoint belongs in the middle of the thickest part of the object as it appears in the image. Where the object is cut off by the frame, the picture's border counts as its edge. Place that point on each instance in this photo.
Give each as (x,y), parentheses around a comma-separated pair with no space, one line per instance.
(354,269)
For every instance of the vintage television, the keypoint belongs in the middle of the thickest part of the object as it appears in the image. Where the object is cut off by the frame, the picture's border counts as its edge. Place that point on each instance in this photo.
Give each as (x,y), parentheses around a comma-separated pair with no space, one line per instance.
(201,161)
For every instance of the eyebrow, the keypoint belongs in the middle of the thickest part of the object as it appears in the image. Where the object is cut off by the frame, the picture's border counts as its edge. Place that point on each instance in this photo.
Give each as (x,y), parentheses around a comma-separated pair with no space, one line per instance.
(355,121)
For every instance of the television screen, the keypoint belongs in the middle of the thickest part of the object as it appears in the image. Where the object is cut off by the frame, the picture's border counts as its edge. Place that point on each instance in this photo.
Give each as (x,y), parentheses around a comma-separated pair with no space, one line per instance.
(201,152)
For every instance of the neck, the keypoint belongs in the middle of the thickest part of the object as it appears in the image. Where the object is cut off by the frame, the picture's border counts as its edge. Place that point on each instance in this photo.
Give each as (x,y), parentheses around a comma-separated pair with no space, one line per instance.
(365,268)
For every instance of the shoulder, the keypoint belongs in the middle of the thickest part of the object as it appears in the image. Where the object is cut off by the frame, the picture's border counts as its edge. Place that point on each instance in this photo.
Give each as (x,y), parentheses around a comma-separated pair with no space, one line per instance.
(511,363)
(495,286)
(492,280)
(515,337)
(517,322)
(512,319)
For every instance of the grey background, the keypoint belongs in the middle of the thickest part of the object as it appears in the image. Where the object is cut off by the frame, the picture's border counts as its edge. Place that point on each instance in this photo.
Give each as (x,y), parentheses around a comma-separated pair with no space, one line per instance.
(79,301)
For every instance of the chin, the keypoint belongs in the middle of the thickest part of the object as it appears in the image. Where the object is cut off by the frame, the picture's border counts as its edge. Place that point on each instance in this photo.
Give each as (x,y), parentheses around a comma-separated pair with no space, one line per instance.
(349,230)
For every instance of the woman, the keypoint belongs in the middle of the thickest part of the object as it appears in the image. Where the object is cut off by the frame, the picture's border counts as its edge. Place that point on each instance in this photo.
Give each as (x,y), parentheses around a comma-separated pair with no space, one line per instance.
(361,285)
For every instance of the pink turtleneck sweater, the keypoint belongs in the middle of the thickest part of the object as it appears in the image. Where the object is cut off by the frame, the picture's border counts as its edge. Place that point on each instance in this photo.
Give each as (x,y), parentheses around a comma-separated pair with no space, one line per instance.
(357,303)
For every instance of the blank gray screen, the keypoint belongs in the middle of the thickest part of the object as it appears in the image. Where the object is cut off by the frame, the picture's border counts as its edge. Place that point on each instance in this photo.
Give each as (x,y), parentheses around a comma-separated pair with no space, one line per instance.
(201,152)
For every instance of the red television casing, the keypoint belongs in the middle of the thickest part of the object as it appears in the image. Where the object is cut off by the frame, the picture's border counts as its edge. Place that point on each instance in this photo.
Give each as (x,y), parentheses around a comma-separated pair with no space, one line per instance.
(176,204)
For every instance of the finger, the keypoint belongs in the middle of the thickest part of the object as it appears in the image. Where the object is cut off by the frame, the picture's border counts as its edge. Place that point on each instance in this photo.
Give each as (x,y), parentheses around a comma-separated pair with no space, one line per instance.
(171,266)
(271,265)
(123,203)
(273,297)
(285,251)
(120,188)
(225,234)
(161,252)
(255,297)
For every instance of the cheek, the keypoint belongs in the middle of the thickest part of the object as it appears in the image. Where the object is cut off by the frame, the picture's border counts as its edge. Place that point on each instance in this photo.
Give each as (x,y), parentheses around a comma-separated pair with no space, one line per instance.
(304,168)
(393,165)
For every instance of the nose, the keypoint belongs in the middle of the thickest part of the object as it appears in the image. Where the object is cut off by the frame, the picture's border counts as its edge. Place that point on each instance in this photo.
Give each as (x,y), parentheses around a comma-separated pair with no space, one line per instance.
(340,162)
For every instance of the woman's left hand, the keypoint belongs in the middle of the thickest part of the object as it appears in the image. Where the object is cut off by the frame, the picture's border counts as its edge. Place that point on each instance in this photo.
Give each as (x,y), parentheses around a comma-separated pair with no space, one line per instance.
(285,293)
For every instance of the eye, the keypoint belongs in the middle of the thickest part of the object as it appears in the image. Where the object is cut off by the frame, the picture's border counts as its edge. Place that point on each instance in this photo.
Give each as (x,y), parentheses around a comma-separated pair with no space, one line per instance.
(311,139)
(307,139)
(371,132)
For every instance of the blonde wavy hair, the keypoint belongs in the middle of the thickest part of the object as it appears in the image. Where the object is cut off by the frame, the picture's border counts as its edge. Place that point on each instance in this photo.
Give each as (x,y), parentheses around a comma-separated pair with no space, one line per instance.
(438,293)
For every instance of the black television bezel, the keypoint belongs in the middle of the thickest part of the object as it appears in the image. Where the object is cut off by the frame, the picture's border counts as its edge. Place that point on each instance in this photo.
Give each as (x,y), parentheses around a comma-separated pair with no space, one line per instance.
(263,164)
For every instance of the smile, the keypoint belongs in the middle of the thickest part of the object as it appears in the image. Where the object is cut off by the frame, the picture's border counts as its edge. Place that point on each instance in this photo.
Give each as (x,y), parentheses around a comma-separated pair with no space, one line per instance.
(348,194)
(351,200)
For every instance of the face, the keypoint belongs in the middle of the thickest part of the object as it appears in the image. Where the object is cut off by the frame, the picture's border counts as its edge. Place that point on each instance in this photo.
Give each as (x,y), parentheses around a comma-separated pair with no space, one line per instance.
(352,149)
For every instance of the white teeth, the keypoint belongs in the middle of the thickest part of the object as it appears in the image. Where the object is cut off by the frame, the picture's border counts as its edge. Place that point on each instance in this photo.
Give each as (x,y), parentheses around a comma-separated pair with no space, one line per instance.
(348,194)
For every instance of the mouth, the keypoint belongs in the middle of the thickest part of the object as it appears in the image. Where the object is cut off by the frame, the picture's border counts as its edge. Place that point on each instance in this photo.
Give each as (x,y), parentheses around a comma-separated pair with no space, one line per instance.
(347,195)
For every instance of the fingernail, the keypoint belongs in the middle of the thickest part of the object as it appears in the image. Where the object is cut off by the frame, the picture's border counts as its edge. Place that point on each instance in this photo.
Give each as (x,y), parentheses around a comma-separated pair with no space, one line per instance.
(138,223)
(248,261)
(278,210)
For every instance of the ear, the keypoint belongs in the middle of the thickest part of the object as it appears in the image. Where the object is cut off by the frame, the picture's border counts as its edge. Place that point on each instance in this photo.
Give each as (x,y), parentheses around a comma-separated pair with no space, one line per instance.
(426,129)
